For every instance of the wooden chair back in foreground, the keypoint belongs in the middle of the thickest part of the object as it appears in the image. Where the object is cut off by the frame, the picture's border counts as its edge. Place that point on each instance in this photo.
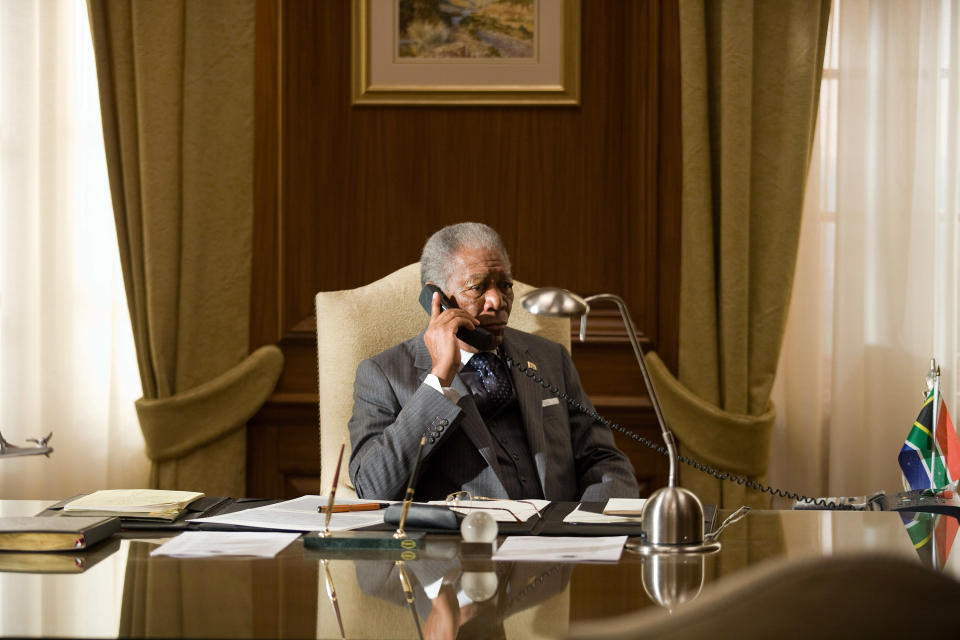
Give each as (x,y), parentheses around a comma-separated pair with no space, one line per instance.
(843,596)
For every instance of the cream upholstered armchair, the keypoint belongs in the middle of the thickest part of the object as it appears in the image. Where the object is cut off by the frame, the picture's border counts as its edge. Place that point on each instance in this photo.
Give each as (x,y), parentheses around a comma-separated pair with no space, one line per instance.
(842,595)
(354,324)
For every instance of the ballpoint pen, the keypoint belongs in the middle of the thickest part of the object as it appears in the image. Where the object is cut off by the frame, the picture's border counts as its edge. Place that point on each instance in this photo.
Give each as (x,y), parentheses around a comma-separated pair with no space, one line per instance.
(363,506)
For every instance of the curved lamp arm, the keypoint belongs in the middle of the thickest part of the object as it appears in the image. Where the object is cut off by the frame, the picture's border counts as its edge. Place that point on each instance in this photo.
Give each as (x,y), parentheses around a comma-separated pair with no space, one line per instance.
(672,517)
(638,352)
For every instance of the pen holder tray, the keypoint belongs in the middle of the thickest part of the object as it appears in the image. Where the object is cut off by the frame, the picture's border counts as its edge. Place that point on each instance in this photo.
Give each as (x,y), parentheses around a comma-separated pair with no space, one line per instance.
(423,516)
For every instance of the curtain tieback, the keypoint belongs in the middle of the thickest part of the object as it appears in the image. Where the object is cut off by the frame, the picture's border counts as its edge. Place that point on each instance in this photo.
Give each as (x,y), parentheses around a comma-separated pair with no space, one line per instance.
(735,442)
(181,423)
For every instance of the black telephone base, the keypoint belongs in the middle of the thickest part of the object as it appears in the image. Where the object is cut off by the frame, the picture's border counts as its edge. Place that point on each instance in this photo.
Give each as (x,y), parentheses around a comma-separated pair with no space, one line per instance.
(922,501)
(946,503)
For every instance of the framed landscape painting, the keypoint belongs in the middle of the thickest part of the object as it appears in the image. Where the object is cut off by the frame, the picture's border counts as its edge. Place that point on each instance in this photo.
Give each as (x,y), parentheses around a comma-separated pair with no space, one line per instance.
(469,52)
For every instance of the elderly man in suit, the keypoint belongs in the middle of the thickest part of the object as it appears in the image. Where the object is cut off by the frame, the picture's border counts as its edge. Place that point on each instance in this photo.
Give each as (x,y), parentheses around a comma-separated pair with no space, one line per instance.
(489,430)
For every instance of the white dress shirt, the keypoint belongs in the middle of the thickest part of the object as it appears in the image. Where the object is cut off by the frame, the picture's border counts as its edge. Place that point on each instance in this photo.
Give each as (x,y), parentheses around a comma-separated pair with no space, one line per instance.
(434,382)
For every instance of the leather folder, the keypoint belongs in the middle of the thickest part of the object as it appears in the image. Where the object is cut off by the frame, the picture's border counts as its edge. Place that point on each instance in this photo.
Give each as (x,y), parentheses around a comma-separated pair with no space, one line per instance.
(200,508)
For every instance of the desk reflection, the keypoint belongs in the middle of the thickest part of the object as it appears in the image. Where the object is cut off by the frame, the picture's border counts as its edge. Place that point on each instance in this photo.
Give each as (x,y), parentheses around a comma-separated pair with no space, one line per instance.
(236,598)
(932,536)
(452,599)
(128,593)
(218,597)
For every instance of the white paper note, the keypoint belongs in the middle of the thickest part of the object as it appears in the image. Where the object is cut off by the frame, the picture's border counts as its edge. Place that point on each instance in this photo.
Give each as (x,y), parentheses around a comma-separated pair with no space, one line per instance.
(624,506)
(580,516)
(204,544)
(560,549)
(300,514)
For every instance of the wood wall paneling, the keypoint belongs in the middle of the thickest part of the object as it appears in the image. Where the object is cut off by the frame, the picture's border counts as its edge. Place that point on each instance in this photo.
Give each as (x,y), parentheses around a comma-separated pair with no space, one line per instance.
(669,184)
(346,194)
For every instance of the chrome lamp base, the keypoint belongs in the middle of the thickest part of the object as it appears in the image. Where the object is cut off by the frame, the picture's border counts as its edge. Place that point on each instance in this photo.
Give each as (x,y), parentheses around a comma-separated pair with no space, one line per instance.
(672,523)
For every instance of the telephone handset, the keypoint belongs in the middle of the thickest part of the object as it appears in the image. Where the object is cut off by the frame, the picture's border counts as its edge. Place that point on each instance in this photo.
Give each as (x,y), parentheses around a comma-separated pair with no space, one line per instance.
(478,338)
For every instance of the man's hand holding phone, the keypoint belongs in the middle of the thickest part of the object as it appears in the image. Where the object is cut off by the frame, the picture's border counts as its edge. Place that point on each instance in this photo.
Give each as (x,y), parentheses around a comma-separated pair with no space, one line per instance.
(441,339)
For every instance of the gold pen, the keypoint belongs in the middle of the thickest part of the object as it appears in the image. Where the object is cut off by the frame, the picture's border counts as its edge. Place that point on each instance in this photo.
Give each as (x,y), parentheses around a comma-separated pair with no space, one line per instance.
(333,491)
(408,497)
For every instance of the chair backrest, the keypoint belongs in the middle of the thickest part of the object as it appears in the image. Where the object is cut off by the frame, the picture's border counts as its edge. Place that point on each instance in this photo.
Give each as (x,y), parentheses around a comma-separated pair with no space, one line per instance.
(856,595)
(354,324)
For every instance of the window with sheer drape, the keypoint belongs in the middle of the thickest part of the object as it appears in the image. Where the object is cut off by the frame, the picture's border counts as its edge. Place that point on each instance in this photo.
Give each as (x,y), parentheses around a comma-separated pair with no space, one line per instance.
(876,289)
(67,363)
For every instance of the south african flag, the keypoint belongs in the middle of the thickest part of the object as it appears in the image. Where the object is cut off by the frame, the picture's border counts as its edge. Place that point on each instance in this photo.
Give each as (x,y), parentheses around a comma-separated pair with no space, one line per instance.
(931,460)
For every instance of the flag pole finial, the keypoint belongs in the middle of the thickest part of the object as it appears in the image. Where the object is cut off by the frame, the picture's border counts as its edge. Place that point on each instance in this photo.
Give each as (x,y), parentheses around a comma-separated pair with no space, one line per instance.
(933,375)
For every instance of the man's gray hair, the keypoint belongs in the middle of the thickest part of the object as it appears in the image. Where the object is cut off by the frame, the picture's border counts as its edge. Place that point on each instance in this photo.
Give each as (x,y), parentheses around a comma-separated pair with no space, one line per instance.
(436,260)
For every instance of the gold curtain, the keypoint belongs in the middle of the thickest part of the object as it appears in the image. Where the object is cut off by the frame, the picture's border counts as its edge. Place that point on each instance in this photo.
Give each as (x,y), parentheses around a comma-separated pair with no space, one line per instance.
(750,73)
(176,94)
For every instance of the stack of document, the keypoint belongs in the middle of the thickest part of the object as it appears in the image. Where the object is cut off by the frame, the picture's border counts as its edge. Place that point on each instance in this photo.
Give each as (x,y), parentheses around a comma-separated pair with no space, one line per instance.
(148,504)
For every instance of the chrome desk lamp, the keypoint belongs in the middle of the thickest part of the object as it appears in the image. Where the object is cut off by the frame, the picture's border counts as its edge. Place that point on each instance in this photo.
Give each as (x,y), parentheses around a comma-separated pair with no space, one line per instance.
(672,517)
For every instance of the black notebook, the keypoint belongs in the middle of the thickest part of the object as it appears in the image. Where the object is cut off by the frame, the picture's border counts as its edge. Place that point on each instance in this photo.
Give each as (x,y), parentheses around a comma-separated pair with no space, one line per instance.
(34,533)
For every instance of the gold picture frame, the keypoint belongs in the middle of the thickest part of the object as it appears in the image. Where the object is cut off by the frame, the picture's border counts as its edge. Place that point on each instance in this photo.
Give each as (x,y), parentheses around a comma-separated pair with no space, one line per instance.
(385,72)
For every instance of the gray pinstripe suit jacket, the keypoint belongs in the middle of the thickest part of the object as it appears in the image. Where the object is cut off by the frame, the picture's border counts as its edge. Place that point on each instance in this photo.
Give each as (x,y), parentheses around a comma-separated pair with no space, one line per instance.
(576,458)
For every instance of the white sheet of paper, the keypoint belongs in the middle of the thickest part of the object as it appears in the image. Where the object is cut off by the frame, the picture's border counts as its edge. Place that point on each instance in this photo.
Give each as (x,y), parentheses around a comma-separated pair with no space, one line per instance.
(560,549)
(204,544)
(300,514)
(579,516)
(624,506)
(501,510)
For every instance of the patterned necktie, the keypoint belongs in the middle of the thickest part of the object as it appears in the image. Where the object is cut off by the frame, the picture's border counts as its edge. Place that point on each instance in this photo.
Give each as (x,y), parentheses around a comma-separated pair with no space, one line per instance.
(488,380)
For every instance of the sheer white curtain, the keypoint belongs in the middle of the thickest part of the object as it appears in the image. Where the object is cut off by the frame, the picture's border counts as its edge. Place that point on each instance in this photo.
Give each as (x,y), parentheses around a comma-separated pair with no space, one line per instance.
(67,362)
(876,290)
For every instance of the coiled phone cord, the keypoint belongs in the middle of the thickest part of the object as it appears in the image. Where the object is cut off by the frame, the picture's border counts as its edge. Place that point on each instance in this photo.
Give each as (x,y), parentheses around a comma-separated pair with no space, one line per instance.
(699,466)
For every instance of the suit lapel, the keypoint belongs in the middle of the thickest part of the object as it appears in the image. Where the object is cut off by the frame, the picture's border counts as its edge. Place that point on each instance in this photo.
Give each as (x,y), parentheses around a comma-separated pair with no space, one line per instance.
(531,405)
(471,423)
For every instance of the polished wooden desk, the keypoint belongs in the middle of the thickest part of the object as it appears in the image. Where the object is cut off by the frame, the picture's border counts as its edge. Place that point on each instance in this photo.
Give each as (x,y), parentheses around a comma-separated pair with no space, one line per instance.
(131,594)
